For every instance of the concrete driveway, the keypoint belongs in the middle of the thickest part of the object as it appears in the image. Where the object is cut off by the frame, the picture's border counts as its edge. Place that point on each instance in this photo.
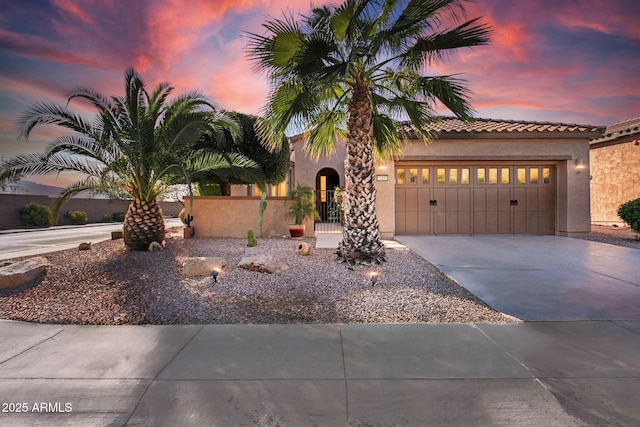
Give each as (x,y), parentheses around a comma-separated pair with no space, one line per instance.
(540,277)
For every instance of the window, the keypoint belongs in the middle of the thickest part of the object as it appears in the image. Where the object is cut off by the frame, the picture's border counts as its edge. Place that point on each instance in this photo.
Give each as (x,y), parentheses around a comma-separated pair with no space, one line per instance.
(413,176)
(400,176)
(522,175)
(425,176)
(546,179)
(506,176)
(481,178)
(493,175)
(441,175)
(533,175)
(464,179)
(453,176)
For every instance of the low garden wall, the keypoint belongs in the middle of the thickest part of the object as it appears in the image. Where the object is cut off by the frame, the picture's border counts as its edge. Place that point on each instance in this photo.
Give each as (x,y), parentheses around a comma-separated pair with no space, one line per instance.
(10,205)
(233,216)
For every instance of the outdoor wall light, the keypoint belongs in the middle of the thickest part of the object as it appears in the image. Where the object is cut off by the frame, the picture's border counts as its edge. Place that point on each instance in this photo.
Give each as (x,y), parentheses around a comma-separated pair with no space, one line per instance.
(580,164)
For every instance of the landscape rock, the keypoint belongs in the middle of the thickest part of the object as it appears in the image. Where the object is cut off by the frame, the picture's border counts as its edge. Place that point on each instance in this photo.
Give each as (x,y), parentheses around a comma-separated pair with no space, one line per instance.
(155,246)
(22,272)
(262,264)
(86,246)
(202,266)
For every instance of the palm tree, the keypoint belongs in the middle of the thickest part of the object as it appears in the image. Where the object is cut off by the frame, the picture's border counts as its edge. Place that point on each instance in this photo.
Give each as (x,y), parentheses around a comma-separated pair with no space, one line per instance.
(137,146)
(353,71)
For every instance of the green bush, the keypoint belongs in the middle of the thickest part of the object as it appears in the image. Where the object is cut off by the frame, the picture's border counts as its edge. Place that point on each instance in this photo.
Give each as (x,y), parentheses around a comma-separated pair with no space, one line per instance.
(118,216)
(108,217)
(35,215)
(630,213)
(76,217)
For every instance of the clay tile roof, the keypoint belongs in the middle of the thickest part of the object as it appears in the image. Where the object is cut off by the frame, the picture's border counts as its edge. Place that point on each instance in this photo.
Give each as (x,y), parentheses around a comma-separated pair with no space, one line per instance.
(618,130)
(455,125)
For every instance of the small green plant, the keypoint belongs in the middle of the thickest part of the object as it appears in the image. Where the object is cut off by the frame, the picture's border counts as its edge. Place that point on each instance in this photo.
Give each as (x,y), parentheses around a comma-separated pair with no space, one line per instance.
(76,217)
(303,204)
(119,216)
(630,213)
(107,217)
(35,215)
(251,240)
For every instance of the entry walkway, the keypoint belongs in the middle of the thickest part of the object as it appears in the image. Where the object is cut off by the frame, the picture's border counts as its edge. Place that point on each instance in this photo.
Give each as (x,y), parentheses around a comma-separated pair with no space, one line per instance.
(540,277)
(527,374)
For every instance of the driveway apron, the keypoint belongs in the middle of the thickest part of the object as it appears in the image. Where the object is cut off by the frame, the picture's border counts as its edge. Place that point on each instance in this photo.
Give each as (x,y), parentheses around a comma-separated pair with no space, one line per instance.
(540,277)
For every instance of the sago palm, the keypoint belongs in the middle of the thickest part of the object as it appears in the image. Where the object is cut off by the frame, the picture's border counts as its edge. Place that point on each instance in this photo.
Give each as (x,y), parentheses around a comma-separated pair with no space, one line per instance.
(353,72)
(137,145)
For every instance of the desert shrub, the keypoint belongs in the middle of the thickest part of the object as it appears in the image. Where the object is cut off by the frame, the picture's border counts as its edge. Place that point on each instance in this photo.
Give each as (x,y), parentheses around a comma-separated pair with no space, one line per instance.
(118,216)
(108,217)
(76,217)
(630,213)
(35,215)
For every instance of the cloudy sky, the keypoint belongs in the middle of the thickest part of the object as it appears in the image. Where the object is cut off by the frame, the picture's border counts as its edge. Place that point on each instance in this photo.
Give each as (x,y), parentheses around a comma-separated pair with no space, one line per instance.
(574,61)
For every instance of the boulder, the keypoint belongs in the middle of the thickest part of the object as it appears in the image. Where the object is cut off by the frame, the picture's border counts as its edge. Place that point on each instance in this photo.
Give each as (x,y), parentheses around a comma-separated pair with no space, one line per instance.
(86,246)
(202,266)
(262,264)
(155,246)
(22,272)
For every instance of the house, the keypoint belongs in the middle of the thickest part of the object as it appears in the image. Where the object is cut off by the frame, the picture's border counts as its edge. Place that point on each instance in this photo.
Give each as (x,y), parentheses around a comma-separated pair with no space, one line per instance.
(485,177)
(615,170)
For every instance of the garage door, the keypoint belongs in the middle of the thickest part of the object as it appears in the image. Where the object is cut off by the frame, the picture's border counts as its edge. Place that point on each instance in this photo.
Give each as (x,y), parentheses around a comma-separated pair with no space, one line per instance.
(475,199)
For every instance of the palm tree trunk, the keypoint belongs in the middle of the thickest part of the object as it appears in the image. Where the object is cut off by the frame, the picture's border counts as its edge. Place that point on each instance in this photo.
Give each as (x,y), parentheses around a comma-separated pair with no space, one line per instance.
(143,224)
(361,235)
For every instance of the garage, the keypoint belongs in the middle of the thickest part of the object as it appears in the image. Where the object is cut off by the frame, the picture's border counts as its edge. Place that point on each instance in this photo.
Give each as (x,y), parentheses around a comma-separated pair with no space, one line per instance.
(475,198)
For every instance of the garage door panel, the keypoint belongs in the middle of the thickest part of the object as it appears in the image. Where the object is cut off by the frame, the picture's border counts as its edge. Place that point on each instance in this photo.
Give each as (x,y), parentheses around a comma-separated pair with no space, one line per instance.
(424,223)
(411,200)
(476,199)
(411,222)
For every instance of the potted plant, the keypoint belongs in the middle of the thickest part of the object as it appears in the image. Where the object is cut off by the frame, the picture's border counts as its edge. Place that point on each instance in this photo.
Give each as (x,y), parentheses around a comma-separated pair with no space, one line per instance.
(301,207)
(186,219)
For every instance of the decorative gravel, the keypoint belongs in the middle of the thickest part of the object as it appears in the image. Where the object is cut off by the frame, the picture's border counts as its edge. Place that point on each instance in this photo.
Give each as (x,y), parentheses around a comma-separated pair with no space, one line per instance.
(109,285)
(619,236)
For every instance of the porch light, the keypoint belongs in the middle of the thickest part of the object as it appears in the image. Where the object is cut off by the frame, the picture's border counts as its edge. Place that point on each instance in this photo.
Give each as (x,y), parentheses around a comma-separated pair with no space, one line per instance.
(580,164)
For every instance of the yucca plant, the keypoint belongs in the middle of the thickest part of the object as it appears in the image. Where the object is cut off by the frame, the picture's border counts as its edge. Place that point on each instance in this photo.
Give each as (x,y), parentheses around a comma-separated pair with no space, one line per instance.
(352,72)
(136,146)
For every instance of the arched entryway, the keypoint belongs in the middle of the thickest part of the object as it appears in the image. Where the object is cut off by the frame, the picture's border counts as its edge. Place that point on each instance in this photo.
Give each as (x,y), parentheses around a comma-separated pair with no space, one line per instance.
(327,180)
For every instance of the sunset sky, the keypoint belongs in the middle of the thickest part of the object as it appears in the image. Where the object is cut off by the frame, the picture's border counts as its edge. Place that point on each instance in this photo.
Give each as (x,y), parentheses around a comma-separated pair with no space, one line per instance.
(575,61)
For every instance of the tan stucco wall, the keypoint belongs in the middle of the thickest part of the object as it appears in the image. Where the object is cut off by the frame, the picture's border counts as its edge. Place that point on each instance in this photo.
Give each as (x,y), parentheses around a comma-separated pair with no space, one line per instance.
(233,216)
(572,195)
(306,169)
(615,171)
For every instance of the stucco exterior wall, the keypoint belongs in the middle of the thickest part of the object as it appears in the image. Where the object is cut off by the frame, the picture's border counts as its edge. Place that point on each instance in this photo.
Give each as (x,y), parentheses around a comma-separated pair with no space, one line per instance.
(615,171)
(10,205)
(306,169)
(233,216)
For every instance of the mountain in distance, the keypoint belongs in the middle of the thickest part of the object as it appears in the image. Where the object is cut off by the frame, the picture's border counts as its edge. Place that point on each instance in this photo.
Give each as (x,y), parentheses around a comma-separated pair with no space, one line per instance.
(33,188)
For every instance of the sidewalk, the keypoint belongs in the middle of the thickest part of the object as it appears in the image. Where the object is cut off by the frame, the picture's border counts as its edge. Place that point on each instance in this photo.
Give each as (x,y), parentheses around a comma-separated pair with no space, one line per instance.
(528,374)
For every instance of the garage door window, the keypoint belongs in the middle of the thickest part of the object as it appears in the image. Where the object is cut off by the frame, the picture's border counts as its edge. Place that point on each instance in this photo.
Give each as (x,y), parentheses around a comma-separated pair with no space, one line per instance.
(506,176)
(400,176)
(425,176)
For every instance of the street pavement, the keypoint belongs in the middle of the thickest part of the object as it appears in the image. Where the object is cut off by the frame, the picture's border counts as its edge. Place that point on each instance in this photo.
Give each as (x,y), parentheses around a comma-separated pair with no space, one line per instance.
(37,241)
(527,374)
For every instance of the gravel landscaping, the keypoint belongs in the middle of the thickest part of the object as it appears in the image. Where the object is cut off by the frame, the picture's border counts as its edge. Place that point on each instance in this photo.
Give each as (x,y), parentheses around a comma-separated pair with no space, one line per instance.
(109,285)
